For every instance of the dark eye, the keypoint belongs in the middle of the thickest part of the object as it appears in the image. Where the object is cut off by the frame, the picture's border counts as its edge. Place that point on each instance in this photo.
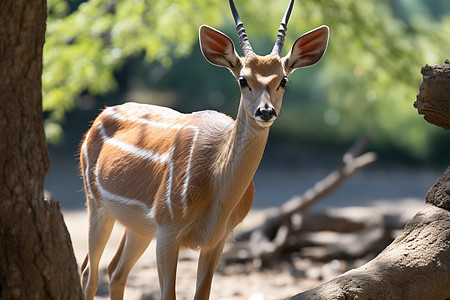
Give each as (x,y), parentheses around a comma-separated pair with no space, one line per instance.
(283,82)
(242,82)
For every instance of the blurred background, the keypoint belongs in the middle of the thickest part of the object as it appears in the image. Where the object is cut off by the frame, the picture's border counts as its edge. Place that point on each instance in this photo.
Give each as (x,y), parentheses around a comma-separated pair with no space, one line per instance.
(106,52)
(100,53)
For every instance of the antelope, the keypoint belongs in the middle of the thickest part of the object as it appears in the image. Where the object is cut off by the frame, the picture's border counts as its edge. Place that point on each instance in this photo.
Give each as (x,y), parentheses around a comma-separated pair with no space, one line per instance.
(184,179)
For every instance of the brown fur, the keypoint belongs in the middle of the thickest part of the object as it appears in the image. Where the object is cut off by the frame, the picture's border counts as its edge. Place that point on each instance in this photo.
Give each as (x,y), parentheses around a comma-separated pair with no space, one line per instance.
(186,179)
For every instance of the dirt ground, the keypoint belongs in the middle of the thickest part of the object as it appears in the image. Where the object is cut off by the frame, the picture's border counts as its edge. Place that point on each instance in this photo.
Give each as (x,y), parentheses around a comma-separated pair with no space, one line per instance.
(235,282)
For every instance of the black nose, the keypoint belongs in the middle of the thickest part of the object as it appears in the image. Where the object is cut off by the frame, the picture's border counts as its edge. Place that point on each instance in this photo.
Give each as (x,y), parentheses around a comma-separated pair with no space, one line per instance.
(265,114)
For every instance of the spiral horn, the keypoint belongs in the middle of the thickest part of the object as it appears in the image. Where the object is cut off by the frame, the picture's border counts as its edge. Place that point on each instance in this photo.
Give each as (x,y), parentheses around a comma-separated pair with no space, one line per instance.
(243,40)
(279,43)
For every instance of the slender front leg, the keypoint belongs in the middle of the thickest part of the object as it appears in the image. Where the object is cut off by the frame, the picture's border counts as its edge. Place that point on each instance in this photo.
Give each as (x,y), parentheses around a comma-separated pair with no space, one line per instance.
(167,249)
(207,265)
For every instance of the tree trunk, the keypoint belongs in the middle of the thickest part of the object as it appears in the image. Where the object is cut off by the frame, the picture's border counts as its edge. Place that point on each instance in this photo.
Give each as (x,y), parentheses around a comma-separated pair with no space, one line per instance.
(417,264)
(433,100)
(36,255)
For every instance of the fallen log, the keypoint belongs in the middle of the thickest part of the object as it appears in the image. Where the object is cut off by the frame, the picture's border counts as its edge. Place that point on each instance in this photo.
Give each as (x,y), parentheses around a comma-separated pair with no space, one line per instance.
(283,224)
(417,264)
(325,246)
(433,100)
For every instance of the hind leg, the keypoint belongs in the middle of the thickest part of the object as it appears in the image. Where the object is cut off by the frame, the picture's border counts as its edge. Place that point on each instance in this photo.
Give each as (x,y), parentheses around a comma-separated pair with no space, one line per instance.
(130,250)
(100,227)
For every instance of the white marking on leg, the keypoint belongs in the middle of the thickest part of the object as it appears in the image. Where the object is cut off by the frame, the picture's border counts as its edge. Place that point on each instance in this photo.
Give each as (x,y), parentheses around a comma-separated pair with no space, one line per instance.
(187,173)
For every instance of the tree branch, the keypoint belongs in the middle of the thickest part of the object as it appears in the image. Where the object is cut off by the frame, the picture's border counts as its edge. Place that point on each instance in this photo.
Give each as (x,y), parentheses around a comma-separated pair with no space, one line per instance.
(282,224)
(417,264)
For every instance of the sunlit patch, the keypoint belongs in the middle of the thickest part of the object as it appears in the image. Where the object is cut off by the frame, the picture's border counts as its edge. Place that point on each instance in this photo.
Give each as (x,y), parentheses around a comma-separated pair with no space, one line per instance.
(331,116)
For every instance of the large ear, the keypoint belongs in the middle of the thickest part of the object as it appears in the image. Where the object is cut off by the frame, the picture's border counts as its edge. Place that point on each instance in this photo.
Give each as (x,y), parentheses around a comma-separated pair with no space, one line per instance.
(218,48)
(307,49)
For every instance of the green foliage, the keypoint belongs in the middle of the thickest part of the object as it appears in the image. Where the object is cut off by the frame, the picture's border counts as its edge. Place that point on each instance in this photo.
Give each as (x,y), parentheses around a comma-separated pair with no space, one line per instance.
(83,48)
(366,82)
(372,70)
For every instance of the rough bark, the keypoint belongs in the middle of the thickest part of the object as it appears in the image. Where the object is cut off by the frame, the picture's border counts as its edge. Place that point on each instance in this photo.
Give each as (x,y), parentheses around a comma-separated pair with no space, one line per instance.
(36,255)
(433,100)
(415,266)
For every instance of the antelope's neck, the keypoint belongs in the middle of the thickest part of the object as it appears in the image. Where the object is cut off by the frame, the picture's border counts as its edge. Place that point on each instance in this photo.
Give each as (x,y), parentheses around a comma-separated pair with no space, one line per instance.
(240,156)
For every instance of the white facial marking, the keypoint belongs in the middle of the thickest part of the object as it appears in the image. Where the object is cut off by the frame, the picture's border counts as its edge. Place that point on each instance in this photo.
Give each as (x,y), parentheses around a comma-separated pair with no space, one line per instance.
(263,123)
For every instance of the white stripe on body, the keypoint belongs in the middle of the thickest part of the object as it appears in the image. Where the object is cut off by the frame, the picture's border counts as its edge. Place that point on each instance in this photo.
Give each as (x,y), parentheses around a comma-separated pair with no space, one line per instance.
(86,171)
(133,150)
(188,168)
(121,117)
(124,200)
(169,183)
(149,155)
(104,192)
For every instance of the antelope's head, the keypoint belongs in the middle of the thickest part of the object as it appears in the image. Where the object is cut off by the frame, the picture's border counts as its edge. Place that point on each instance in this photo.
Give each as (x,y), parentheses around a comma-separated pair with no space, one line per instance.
(262,79)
